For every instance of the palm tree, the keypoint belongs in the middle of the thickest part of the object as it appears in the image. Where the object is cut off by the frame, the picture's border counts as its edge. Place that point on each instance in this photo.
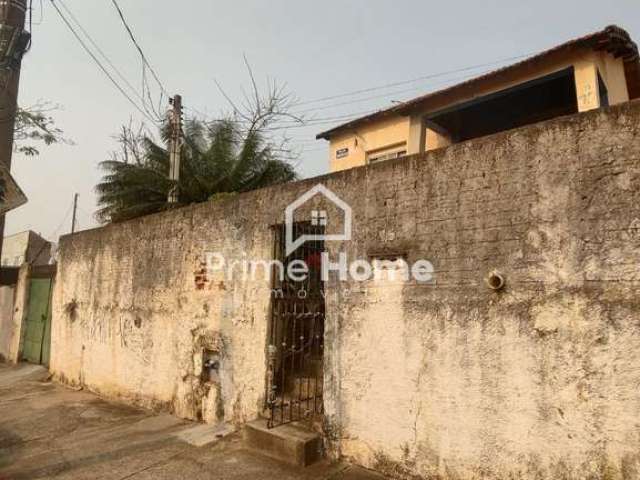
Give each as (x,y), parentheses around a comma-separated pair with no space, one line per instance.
(217,158)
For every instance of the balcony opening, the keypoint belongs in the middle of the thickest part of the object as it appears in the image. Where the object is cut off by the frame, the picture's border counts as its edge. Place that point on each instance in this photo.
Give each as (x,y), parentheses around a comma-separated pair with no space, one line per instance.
(534,101)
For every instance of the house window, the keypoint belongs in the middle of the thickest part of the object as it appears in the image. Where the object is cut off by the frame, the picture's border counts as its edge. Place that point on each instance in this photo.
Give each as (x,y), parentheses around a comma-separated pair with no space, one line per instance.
(385,155)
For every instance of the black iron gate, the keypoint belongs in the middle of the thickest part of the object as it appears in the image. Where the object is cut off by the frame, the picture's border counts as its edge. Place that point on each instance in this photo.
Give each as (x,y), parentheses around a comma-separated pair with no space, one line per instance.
(296,337)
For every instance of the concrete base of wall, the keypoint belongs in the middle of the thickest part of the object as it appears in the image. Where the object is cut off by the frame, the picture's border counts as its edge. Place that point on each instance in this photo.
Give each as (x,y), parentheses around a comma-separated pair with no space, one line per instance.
(12,326)
(289,443)
(6,320)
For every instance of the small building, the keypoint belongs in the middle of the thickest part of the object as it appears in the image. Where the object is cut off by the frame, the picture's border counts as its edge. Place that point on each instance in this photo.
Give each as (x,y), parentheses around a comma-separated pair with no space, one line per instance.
(591,72)
(26,284)
(26,247)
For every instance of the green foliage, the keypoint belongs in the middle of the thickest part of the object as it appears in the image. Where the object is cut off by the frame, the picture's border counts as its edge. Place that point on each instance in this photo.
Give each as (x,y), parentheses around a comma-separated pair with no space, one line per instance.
(218,159)
(34,125)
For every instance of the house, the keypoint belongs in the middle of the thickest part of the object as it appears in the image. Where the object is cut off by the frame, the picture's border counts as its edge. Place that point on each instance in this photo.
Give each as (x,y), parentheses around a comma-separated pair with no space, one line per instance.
(594,71)
(26,247)
(26,284)
(520,359)
(533,376)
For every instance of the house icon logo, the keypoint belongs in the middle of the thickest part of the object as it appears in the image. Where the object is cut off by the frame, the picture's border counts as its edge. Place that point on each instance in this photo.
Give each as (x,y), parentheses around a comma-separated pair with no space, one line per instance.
(318,218)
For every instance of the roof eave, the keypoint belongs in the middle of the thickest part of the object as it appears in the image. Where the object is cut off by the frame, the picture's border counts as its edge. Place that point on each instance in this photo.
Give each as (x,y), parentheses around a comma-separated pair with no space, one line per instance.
(613,39)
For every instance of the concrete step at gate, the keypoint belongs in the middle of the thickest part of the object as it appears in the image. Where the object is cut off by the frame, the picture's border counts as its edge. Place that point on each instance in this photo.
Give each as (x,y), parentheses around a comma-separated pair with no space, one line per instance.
(293,443)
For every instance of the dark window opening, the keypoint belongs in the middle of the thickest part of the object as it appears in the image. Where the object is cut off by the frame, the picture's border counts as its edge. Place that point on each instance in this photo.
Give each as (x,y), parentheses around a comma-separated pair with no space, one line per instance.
(604,93)
(535,101)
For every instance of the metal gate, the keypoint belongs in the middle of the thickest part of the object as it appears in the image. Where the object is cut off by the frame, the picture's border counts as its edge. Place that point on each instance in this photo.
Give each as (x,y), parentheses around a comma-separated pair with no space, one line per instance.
(37,338)
(296,337)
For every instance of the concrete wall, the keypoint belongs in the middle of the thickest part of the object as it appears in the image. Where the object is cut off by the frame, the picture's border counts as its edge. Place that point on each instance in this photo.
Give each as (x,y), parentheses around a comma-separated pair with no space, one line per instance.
(25,247)
(132,313)
(449,380)
(13,306)
(6,320)
(14,249)
(539,381)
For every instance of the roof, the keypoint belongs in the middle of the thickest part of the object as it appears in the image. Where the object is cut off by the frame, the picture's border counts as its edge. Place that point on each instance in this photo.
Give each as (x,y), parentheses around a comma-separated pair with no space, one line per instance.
(613,39)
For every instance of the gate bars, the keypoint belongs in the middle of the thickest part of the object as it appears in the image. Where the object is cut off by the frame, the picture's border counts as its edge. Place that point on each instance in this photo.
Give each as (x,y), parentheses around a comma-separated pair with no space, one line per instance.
(296,340)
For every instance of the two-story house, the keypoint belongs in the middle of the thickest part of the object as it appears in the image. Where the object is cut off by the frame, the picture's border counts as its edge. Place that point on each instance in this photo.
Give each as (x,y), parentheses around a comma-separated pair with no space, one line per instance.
(594,71)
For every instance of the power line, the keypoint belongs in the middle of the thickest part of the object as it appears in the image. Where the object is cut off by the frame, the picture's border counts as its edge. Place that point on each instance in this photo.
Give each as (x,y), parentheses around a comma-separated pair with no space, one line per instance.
(97,61)
(354,115)
(105,56)
(366,112)
(393,93)
(87,213)
(324,121)
(137,45)
(346,116)
(297,124)
(62,223)
(53,235)
(307,150)
(414,80)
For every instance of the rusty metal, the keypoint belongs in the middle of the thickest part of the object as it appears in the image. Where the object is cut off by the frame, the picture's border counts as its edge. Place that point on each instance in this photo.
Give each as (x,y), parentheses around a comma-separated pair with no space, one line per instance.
(296,338)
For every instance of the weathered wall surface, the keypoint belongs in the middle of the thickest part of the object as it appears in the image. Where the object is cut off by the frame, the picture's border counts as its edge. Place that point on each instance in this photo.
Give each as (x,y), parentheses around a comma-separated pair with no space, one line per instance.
(449,380)
(538,381)
(13,307)
(130,320)
(6,320)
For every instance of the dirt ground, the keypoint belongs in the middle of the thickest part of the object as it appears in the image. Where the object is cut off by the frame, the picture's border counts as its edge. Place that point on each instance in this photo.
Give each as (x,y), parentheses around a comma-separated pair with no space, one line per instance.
(49,431)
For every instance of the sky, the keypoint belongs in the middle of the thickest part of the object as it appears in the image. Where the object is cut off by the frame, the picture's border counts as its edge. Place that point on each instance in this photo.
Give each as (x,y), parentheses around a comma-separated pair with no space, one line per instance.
(317,49)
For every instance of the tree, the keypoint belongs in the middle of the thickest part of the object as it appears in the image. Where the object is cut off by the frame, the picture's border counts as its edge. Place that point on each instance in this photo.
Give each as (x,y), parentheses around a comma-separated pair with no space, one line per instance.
(239,153)
(35,125)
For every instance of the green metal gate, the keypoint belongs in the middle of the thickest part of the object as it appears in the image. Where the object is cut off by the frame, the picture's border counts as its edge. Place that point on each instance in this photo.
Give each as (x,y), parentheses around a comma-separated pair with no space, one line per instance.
(37,326)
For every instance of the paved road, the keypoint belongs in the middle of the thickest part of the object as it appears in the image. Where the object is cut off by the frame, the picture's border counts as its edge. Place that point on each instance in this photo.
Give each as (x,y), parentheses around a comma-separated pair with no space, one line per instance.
(48,431)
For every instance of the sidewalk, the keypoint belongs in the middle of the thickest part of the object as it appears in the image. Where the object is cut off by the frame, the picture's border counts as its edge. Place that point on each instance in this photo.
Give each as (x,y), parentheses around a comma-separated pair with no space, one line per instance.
(48,431)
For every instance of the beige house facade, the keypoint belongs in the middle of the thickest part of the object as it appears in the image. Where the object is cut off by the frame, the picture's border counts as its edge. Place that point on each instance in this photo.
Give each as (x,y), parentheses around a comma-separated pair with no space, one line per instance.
(588,73)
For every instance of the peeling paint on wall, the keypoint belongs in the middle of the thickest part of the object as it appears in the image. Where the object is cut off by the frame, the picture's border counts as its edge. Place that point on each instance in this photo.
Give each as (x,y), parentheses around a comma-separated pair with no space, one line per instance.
(450,380)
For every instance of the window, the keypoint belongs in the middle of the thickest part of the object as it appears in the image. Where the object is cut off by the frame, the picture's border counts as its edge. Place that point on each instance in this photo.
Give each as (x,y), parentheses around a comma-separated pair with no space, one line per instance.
(383,156)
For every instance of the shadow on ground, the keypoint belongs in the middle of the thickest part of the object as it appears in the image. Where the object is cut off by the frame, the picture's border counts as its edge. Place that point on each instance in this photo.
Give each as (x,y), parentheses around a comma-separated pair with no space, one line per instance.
(48,431)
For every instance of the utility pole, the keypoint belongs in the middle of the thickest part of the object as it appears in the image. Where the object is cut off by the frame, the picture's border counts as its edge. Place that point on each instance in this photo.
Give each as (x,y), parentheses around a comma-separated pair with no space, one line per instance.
(175,146)
(14,41)
(75,213)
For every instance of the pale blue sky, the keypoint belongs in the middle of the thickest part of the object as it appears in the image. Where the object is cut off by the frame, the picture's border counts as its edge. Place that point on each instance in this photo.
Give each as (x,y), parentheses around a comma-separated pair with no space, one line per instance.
(318,48)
